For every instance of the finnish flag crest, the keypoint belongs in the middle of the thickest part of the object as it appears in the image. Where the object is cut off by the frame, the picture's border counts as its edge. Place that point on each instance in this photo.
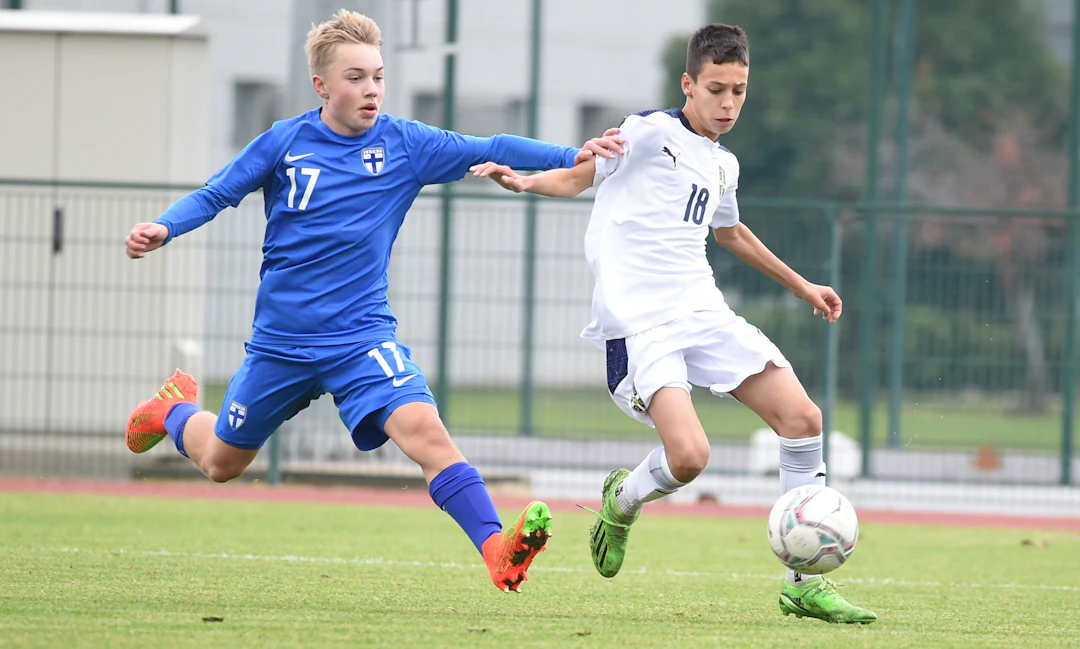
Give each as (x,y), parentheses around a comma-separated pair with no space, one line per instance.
(237,415)
(373,159)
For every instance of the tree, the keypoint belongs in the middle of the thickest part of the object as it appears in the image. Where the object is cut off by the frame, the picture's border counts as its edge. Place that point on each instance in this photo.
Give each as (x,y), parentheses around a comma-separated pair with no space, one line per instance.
(809,83)
(983,75)
(808,76)
(1017,173)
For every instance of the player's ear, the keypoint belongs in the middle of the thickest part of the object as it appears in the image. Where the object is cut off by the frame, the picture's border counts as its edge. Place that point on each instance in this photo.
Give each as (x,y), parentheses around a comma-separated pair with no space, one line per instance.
(687,84)
(320,86)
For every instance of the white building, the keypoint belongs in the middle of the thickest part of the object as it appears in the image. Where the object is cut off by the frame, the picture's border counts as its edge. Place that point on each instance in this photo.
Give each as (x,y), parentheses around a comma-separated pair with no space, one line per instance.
(600,60)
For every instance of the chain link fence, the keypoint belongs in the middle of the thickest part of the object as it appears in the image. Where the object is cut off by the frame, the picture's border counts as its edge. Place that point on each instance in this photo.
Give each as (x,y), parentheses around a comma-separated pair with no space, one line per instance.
(86,333)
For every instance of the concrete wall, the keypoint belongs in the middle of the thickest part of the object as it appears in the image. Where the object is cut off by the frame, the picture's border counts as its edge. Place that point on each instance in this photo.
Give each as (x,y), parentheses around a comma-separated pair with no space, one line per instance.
(603,53)
(105,100)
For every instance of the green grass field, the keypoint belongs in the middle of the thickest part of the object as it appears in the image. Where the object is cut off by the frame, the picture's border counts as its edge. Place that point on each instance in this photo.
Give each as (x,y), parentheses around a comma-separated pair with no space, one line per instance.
(590,413)
(81,571)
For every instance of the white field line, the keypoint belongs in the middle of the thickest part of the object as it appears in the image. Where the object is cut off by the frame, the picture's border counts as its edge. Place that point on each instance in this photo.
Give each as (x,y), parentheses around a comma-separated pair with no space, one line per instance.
(453,565)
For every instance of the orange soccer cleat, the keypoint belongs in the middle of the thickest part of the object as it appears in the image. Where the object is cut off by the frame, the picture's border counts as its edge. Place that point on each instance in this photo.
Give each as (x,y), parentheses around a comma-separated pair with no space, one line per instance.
(146,425)
(509,554)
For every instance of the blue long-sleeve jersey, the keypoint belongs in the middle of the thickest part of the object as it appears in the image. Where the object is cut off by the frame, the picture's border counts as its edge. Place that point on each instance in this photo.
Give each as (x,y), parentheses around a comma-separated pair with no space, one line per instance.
(334,205)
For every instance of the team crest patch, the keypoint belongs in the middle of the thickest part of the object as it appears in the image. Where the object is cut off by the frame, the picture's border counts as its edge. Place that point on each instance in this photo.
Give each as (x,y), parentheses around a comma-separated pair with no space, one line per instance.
(723,182)
(373,159)
(636,403)
(237,415)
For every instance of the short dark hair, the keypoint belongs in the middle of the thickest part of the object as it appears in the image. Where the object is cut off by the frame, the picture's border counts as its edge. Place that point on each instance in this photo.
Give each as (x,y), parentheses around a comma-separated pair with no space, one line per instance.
(716,43)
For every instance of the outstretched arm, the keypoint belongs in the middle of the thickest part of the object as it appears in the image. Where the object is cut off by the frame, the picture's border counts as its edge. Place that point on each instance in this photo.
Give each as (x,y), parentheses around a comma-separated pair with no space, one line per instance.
(186,214)
(741,242)
(524,153)
(557,183)
(243,175)
(439,156)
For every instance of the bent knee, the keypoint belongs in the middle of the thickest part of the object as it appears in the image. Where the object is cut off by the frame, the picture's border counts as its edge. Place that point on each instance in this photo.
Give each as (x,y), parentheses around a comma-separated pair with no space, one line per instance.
(687,461)
(221,474)
(429,429)
(801,422)
(425,438)
(223,470)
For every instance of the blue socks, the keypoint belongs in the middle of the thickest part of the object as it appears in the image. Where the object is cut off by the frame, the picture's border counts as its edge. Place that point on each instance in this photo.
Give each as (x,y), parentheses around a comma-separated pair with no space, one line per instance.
(460,491)
(175,421)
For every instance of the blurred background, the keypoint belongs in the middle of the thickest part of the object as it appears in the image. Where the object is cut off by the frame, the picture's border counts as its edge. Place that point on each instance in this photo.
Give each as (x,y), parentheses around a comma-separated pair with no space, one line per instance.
(922,156)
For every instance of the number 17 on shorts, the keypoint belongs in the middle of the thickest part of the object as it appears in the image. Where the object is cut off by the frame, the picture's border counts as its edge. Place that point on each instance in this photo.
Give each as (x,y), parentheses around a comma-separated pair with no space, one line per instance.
(397,373)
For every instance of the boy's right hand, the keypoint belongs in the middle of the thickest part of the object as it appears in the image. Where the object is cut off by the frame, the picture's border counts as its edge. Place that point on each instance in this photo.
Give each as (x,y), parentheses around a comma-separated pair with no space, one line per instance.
(145,237)
(501,174)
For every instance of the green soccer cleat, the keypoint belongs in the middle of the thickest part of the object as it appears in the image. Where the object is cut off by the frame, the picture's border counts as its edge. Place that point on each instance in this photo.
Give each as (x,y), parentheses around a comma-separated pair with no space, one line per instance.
(818,598)
(608,535)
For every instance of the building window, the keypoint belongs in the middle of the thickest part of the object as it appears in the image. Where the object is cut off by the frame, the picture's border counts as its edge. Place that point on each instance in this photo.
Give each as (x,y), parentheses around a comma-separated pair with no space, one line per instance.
(594,119)
(428,108)
(256,106)
(473,117)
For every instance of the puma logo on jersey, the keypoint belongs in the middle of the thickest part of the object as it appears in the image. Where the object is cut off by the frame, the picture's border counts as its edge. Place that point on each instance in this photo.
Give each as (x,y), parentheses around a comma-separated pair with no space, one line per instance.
(667,151)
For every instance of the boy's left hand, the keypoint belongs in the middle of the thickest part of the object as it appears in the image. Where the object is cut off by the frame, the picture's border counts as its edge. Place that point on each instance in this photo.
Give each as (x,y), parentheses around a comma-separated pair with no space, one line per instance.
(607,146)
(501,174)
(824,299)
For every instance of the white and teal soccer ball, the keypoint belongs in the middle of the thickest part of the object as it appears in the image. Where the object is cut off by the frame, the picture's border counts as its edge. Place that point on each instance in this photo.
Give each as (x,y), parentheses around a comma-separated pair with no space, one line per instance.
(813,529)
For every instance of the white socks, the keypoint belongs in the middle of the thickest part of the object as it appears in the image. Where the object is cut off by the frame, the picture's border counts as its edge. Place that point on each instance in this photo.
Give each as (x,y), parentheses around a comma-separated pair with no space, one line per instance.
(651,480)
(800,464)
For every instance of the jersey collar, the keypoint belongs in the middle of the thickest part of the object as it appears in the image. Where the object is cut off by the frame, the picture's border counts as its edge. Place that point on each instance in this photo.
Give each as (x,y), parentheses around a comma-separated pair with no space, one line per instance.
(686,122)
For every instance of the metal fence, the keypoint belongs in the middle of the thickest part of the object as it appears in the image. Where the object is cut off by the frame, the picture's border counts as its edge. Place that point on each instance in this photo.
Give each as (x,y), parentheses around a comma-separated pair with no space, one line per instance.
(949,364)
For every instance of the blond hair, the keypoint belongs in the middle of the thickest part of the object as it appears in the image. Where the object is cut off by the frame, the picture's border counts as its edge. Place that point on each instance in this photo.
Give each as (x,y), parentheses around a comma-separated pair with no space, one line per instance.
(346,27)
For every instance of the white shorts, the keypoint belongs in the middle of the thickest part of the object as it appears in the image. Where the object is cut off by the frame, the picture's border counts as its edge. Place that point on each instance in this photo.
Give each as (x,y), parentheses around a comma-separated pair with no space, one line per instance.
(712,349)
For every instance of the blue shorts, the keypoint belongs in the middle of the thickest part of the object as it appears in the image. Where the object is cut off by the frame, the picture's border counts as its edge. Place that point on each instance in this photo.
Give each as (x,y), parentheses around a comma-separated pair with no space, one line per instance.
(368,381)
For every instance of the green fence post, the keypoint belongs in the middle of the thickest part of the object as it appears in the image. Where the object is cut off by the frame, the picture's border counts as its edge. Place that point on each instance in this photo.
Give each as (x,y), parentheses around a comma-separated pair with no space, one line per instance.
(1068,365)
(529,315)
(905,27)
(442,390)
(525,426)
(273,471)
(868,278)
(832,334)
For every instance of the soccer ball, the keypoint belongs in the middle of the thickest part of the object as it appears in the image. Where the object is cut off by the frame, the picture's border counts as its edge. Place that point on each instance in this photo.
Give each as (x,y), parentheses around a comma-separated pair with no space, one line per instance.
(813,529)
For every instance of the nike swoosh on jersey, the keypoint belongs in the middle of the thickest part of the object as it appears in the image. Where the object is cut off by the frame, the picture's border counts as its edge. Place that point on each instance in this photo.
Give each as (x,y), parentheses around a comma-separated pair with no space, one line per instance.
(400,382)
(294,158)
